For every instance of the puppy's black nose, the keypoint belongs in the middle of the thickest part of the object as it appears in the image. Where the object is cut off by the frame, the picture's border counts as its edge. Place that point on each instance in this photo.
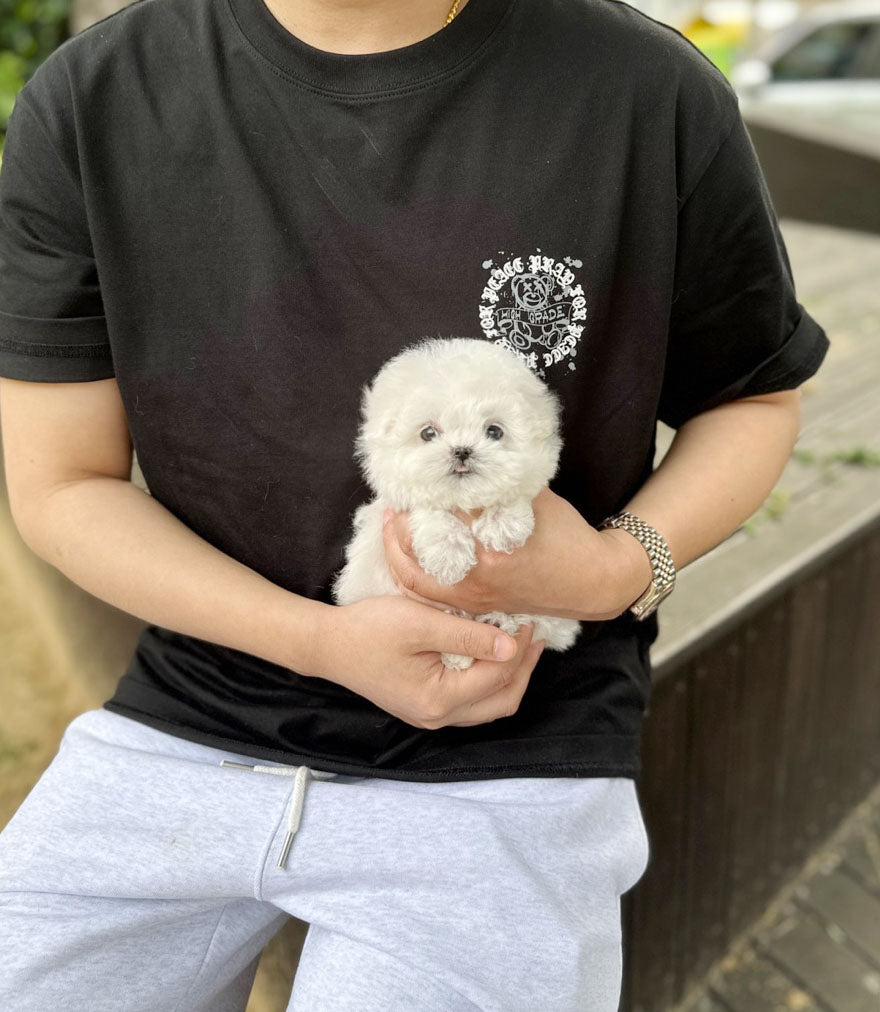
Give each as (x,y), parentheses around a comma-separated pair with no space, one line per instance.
(462,452)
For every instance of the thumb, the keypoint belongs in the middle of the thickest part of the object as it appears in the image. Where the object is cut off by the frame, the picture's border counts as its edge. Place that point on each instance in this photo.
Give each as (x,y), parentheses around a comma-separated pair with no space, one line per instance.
(472,639)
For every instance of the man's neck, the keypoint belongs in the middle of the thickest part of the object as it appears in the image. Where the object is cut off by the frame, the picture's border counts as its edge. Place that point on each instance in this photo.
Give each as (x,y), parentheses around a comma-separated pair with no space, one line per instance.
(361,26)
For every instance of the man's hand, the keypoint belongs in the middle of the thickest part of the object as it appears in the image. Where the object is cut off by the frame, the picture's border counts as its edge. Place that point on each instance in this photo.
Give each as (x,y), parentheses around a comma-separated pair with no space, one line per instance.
(566,568)
(388,649)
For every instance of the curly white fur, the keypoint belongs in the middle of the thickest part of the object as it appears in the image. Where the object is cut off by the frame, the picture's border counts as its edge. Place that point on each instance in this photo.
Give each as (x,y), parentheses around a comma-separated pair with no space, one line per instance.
(448,424)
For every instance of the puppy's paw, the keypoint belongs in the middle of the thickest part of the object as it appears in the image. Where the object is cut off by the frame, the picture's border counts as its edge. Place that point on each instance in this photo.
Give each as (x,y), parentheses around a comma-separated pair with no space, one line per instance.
(457,661)
(449,556)
(504,528)
(558,633)
(506,623)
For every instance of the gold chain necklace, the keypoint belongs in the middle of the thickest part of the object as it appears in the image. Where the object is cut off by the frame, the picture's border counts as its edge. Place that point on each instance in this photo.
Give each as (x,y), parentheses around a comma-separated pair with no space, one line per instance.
(453,10)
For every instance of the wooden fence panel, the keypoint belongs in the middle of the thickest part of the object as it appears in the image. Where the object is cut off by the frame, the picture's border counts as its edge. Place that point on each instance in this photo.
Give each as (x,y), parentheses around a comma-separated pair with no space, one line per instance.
(712,698)
(754,749)
(835,725)
(650,910)
(803,711)
(754,765)
(865,701)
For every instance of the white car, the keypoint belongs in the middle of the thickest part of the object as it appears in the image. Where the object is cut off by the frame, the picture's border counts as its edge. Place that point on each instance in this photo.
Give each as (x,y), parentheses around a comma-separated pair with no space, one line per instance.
(828,57)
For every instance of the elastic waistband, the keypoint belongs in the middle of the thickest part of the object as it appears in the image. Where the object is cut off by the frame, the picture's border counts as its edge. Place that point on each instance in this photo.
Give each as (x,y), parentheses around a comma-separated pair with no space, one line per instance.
(294,812)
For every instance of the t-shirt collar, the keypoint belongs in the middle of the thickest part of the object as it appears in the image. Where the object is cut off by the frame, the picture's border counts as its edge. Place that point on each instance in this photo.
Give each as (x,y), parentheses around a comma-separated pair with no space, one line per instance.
(372,74)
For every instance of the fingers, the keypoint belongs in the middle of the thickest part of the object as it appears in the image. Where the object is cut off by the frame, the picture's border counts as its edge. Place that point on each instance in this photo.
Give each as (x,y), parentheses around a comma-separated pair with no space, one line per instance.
(395,528)
(484,679)
(455,694)
(396,557)
(405,571)
(505,701)
(489,678)
(454,635)
(413,683)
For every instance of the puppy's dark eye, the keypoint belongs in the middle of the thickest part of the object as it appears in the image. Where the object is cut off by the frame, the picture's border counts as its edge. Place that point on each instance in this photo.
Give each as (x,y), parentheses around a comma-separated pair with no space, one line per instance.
(428,433)
(494,432)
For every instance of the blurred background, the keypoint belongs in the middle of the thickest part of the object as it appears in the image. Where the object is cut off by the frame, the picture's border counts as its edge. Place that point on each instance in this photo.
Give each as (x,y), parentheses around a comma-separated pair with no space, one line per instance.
(762,742)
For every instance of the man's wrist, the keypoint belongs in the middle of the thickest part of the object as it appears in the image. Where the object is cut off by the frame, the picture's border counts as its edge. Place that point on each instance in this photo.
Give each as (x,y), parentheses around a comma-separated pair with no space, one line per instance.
(304,635)
(630,570)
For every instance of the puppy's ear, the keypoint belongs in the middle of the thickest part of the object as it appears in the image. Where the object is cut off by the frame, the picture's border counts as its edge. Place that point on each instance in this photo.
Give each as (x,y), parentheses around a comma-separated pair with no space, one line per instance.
(366,399)
(376,396)
(546,410)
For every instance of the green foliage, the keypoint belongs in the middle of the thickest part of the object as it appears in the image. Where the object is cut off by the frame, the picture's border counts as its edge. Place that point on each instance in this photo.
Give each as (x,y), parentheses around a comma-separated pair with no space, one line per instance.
(13,751)
(860,456)
(29,31)
(773,509)
(779,499)
(854,456)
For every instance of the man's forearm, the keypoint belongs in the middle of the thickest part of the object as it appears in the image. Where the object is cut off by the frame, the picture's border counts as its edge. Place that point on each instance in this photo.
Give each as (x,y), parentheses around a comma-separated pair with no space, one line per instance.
(124,547)
(720,468)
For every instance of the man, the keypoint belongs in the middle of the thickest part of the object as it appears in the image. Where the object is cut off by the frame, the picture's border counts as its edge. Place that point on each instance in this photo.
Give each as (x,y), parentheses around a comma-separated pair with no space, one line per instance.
(219,219)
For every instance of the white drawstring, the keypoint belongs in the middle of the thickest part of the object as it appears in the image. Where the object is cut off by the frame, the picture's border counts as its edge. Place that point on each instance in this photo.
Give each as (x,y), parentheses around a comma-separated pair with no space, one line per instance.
(294,812)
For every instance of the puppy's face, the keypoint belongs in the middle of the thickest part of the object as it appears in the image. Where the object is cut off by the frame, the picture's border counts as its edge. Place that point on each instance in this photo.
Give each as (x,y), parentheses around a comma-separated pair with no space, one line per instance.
(457,423)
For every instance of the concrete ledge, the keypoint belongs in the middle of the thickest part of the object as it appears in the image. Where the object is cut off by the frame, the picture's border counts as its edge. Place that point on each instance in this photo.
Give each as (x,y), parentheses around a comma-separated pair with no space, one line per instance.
(818,168)
(823,505)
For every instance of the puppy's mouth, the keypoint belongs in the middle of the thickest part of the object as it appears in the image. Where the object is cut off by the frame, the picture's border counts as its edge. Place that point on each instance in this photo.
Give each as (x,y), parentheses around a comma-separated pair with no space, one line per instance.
(462,469)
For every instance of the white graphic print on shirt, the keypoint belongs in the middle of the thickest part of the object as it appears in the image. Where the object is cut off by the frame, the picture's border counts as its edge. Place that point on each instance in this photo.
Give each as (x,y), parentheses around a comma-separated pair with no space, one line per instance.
(531,306)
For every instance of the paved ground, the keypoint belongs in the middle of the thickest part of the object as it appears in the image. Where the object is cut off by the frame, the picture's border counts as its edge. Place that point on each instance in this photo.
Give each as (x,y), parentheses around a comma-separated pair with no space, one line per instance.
(817,948)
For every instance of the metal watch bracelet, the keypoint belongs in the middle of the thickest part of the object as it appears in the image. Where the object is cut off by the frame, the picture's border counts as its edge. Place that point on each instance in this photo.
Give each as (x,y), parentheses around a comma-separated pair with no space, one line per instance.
(661,561)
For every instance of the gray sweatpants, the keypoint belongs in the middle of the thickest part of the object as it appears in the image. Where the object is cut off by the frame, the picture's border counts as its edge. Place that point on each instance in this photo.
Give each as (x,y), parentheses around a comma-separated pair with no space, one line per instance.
(141,875)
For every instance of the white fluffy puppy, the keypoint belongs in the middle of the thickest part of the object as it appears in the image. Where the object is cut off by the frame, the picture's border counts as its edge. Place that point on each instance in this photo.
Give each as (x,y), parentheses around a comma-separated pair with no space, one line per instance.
(448,424)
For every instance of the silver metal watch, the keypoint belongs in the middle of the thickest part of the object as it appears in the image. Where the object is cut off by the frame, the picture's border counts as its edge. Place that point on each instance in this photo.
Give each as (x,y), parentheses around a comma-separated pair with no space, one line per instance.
(661,561)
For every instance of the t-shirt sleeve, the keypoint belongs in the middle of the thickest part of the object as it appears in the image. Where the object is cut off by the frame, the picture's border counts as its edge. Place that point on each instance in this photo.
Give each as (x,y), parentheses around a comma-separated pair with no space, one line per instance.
(736,328)
(52,325)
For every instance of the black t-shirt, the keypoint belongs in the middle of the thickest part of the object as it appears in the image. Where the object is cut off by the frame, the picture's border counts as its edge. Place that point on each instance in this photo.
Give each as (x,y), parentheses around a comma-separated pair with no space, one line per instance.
(242,229)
